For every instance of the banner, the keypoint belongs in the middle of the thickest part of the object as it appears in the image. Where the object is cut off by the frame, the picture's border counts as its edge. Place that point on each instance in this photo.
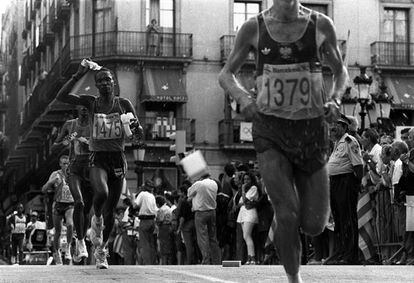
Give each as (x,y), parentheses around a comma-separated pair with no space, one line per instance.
(246,131)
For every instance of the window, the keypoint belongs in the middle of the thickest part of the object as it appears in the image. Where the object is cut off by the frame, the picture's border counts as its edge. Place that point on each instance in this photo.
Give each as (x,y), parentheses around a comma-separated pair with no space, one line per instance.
(242,11)
(395,25)
(160,10)
(103,16)
(321,8)
(166,13)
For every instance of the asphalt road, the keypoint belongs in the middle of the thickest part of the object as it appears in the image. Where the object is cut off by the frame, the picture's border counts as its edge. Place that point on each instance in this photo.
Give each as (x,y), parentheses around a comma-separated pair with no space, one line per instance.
(198,273)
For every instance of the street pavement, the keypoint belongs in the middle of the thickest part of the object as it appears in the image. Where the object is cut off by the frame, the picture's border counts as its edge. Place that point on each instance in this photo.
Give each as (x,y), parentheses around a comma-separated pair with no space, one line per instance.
(198,273)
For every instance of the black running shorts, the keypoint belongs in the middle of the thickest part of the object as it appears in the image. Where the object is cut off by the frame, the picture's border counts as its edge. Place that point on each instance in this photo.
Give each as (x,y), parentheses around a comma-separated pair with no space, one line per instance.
(304,142)
(113,162)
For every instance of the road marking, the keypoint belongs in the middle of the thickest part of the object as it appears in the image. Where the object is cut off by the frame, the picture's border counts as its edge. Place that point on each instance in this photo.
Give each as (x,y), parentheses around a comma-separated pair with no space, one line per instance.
(192,274)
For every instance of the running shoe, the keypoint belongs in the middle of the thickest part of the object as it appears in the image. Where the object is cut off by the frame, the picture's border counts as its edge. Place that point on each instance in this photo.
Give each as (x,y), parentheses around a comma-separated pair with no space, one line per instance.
(97,228)
(100,256)
(80,251)
(57,256)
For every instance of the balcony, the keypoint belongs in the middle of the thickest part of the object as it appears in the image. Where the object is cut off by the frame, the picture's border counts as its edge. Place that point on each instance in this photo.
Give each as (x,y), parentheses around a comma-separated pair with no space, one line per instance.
(63,10)
(393,55)
(227,44)
(158,129)
(229,135)
(48,35)
(128,46)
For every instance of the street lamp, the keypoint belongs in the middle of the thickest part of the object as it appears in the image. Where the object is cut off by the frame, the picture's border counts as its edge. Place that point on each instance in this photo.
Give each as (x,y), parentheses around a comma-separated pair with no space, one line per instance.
(363,83)
(139,157)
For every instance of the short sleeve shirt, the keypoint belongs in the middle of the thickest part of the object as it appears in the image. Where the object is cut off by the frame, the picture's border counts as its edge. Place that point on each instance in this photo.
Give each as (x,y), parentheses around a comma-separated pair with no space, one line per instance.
(146,202)
(346,155)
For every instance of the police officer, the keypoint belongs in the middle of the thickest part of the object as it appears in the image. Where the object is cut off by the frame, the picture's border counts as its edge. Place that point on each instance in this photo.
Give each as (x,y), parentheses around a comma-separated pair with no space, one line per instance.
(345,172)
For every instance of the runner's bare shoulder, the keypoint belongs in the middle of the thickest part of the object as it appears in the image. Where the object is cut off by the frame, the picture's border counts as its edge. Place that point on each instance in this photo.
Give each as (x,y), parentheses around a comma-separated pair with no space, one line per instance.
(247,34)
(325,26)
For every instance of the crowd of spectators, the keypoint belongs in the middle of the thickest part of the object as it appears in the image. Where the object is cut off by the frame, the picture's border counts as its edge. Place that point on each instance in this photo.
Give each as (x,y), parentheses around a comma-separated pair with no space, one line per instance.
(230,218)
(238,216)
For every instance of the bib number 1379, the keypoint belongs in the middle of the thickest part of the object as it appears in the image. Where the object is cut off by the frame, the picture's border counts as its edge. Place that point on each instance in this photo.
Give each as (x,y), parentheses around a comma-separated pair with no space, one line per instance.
(287,92)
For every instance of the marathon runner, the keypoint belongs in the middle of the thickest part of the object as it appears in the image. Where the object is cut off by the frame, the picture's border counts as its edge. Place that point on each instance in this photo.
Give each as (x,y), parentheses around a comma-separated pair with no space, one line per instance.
(289,115)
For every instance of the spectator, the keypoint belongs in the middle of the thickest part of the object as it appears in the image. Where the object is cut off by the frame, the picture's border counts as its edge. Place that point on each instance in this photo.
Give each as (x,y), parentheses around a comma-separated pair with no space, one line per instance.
(410,139)
(163,220)
(247,216)
(399,149)
(385,139)
(17,224)
(178,248)
(130,245)
(404,134)
(147,210)
(407,189)
(186,226)
(345,173)
(63,205)
(371,155)
(203,195)
(223,198)
(238,246)
(153,38)
(384,217)
(33,224)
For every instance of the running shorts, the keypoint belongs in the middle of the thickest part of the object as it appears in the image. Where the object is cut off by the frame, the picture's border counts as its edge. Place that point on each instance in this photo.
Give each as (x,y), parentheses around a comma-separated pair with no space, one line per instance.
(60,208)
(113,162)
(304,143)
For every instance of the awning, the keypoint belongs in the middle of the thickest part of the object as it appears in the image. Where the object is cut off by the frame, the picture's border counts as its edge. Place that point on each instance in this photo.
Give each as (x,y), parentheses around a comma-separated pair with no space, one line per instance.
(163,85)
(402,91)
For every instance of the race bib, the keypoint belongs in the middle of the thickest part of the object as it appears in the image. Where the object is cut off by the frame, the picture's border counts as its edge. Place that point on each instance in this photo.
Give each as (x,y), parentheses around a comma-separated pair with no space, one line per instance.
(286,87)
(20,227)
(107,126)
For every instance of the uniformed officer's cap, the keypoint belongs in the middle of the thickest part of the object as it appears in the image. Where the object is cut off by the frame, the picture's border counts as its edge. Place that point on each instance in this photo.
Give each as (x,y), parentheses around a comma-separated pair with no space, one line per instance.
(343,119)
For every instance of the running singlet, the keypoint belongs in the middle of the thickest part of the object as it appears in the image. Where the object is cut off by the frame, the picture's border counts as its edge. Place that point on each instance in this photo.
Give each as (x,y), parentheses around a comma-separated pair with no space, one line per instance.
(62,193)
(289,74)
(106,130)
(19,225)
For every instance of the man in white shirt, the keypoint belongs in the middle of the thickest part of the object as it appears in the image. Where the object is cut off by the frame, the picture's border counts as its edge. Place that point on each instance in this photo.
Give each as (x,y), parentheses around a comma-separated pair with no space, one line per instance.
(203,194)
(147,207)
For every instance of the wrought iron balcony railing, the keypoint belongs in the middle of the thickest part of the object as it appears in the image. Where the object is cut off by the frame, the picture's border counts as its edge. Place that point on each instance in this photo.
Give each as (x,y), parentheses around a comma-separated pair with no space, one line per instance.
(229,134)
(128,44)
(398,54)
(160,128)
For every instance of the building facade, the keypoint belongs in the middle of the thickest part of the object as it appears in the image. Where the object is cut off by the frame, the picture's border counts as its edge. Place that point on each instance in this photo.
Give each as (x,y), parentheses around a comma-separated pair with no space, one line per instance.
(167,55)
